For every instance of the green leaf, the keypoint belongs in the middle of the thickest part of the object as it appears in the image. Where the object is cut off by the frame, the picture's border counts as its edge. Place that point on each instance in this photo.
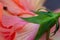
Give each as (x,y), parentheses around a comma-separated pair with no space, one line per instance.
(46,21)
(44,27)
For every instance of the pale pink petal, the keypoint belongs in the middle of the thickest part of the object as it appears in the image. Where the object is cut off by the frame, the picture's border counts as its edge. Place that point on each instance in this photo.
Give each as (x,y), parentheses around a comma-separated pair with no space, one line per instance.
(32,4)
(14,9)
(9,20)
(11,6)
(28,32)
(56,36)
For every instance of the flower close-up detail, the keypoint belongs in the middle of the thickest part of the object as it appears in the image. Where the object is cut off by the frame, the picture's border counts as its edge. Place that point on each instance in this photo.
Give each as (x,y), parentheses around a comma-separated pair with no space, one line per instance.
(26,20)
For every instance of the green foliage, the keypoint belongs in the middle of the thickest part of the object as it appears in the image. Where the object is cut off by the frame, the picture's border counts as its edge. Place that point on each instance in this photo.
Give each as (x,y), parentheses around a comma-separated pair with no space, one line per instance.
(46,21)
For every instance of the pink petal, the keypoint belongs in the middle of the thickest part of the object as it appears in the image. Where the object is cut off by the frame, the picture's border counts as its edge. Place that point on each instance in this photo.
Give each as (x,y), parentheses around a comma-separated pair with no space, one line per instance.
(9,20)
(28,32)
(14,8)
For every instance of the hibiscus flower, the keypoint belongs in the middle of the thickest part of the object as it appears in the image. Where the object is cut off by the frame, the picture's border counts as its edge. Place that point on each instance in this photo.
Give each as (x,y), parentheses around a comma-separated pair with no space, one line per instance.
(13,27)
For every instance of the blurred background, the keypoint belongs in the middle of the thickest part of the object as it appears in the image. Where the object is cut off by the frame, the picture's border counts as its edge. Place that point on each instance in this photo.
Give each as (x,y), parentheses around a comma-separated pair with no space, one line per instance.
(52,4)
